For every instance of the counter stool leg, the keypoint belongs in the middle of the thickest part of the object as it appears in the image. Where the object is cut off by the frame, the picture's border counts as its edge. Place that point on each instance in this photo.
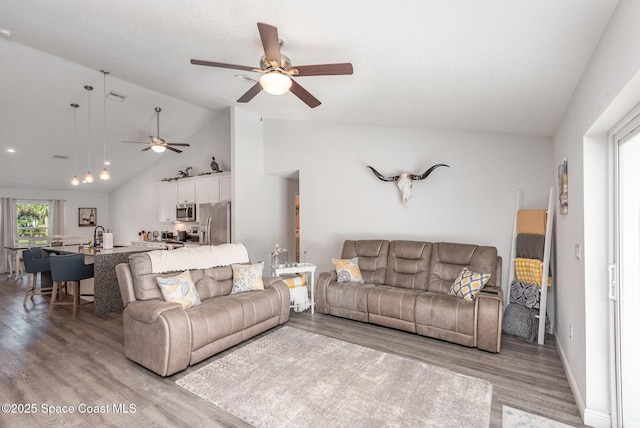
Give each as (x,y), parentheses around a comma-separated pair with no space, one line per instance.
(54,294)
(76,297)
(31,283)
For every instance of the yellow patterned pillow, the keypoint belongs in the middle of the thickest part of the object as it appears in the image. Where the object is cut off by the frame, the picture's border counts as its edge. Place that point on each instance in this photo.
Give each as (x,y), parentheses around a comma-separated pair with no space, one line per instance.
(530,271)
(468,284)
(247,277)
(347,270)
(296,281)
(180,289)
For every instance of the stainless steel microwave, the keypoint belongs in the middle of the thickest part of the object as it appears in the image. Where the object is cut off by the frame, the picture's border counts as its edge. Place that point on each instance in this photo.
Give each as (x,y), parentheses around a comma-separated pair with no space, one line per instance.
(186,212)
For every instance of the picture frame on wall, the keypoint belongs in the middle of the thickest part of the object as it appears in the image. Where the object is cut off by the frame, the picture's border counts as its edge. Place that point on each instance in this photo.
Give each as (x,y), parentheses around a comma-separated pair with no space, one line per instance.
(563,187)
(87,216)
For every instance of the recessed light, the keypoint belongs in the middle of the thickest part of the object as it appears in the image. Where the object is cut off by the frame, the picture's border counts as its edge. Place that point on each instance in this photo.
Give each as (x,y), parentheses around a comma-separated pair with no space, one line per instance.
(11,150)
(5,33)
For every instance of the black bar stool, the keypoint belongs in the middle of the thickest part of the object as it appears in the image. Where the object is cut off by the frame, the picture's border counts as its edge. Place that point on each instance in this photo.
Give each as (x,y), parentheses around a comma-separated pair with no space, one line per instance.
(68,268)
(35,262)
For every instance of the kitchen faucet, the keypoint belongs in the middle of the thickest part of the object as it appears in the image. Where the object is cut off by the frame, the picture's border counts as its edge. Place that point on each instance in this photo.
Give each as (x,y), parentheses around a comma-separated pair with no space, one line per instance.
(97,239)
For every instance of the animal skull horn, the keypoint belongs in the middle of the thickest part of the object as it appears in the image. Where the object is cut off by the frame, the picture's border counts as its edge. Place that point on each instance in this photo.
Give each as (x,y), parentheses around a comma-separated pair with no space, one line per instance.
(405,180)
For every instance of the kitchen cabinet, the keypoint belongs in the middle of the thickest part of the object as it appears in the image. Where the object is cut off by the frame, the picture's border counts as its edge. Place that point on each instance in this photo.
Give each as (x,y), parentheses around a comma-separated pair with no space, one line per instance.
(207,190)
(167,200)
(186,191)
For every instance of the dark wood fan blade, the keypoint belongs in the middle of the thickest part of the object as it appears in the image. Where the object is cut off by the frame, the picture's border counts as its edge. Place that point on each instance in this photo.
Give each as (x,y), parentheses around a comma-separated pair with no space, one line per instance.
(324,69)
(222,65)
(148,148)
(303,94)
(270,42)
(252,92)
(136,142)
(173,150)
(179,144)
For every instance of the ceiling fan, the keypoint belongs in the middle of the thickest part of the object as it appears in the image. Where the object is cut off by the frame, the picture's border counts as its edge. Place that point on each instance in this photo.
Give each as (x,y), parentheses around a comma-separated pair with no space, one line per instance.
(277,70)
(158,144)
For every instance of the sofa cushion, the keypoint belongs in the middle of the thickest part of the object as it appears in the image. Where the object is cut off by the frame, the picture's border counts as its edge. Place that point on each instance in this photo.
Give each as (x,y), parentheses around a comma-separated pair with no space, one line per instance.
(448,259)
(145,283)
(217,318)
(408,264)
(347,270)
(468,284)
(213,282)
(446,313)
(372,258)
(392,302)
(180,289)
(348,295)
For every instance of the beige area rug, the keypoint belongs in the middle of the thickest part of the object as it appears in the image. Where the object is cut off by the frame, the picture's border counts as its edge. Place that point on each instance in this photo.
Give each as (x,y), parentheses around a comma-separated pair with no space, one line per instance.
(293,378)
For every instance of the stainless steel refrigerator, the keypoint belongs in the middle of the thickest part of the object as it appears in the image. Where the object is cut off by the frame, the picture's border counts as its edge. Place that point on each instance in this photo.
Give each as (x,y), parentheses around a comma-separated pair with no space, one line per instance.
(215,223)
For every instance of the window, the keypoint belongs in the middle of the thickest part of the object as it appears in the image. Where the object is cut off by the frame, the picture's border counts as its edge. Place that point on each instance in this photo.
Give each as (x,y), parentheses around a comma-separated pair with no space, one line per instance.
(33,222)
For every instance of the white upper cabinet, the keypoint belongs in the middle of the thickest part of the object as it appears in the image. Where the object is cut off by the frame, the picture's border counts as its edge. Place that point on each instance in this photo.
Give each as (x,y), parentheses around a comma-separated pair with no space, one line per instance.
(225,188)
(186,191)
(167,200)
(208,190)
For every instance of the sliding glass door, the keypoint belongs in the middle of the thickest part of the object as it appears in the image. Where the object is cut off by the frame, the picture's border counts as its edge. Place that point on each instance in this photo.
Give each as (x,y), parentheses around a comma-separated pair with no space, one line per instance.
(627,262)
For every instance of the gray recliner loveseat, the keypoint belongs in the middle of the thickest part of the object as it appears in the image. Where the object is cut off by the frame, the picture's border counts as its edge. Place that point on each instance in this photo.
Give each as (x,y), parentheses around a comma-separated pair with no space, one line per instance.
(165,338)
(406,286)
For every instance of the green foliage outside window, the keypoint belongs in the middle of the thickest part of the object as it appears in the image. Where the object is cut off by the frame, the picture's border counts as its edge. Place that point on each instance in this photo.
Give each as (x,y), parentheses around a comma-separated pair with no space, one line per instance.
(33,222)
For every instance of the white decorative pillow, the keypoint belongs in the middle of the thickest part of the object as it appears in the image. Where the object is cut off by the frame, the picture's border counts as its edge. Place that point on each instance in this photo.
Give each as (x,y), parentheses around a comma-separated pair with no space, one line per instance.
(348,270)
(180,289)
(247,277)
(468,284)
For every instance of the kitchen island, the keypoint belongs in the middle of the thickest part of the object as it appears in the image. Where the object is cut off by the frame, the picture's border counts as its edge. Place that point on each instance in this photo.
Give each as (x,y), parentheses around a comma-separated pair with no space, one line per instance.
(106,292)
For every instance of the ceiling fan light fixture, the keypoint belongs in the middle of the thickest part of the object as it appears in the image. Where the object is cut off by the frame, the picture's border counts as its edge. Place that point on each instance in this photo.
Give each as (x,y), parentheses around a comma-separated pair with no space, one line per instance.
(158,148)
(89,177)
(75,181)
(275,83)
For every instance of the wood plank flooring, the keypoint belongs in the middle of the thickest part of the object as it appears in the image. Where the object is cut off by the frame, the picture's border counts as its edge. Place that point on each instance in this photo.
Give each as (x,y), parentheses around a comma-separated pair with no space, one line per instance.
(46,362)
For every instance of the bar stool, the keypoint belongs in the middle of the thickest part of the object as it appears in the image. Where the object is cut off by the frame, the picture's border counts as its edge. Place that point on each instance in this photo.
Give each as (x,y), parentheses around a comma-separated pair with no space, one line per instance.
(34,263)
(68,268)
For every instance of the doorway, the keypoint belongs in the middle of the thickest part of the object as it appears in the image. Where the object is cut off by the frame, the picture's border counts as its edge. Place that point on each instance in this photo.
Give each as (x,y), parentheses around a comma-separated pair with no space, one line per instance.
(626,268)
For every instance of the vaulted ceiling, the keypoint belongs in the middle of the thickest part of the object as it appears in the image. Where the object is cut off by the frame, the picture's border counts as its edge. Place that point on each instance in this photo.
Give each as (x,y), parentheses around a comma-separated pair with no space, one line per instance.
(487,66)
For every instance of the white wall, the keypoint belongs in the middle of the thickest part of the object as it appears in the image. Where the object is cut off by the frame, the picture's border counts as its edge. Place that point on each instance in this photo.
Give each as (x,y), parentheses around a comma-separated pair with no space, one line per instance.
(74,199)
(607,91)
(134,205)
(470,202)
(259,210)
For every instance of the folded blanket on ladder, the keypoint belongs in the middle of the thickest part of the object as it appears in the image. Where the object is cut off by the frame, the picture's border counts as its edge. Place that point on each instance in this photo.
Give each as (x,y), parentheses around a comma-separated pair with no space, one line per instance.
(532,221)
(530,246)
(530,271)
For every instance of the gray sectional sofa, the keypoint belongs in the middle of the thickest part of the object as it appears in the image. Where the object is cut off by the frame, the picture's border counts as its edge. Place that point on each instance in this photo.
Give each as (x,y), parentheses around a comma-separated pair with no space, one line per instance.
(406,286)
(165,338)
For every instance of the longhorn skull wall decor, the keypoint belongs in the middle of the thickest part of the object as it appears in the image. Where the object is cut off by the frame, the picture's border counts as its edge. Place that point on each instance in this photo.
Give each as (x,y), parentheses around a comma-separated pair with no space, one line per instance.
(405,180)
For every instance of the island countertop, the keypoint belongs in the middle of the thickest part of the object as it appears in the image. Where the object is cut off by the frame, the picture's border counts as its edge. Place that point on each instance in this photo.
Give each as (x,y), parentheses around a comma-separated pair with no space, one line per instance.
(107,297)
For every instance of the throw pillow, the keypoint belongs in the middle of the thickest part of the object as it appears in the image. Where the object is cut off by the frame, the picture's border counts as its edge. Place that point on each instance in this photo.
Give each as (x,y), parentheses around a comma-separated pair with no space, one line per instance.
(180,289)
(347,270)
(468,284)
(247,277)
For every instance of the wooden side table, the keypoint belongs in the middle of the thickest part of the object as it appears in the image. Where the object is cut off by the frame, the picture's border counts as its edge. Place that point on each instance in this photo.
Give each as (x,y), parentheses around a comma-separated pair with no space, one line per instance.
(296,269)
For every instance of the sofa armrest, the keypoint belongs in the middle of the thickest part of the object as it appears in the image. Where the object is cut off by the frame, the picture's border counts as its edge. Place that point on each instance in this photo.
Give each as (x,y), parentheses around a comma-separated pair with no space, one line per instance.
(489,319)
(157,335)
(321,290)
(148,311)
(125,282)
(278,284)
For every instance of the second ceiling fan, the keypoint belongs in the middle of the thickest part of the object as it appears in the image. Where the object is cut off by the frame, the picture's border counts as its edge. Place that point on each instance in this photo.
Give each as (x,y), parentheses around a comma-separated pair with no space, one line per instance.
(277,70)
(158,144)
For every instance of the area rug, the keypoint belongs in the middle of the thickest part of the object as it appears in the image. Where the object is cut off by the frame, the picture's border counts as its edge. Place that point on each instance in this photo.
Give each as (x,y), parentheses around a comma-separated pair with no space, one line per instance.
(514,418)
(294,378)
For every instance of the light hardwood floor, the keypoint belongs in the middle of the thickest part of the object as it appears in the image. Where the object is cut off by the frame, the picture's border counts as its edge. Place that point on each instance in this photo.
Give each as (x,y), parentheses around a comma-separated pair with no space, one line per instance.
(61,362)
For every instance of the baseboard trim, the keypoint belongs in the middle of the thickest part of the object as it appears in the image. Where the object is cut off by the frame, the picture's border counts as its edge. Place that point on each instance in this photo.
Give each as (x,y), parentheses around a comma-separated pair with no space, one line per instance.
(591,418)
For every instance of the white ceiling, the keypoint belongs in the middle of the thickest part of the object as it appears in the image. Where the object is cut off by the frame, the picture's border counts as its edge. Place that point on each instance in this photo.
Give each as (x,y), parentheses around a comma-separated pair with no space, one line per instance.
(488,66)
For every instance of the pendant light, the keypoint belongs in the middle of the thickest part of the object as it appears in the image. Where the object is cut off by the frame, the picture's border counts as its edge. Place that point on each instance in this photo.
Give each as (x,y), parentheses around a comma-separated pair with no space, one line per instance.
(104,174)
(75,180)
(88,178)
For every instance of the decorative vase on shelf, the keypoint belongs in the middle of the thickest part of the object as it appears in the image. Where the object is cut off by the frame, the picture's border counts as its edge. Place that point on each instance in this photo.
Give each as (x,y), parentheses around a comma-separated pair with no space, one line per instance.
(214,165)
